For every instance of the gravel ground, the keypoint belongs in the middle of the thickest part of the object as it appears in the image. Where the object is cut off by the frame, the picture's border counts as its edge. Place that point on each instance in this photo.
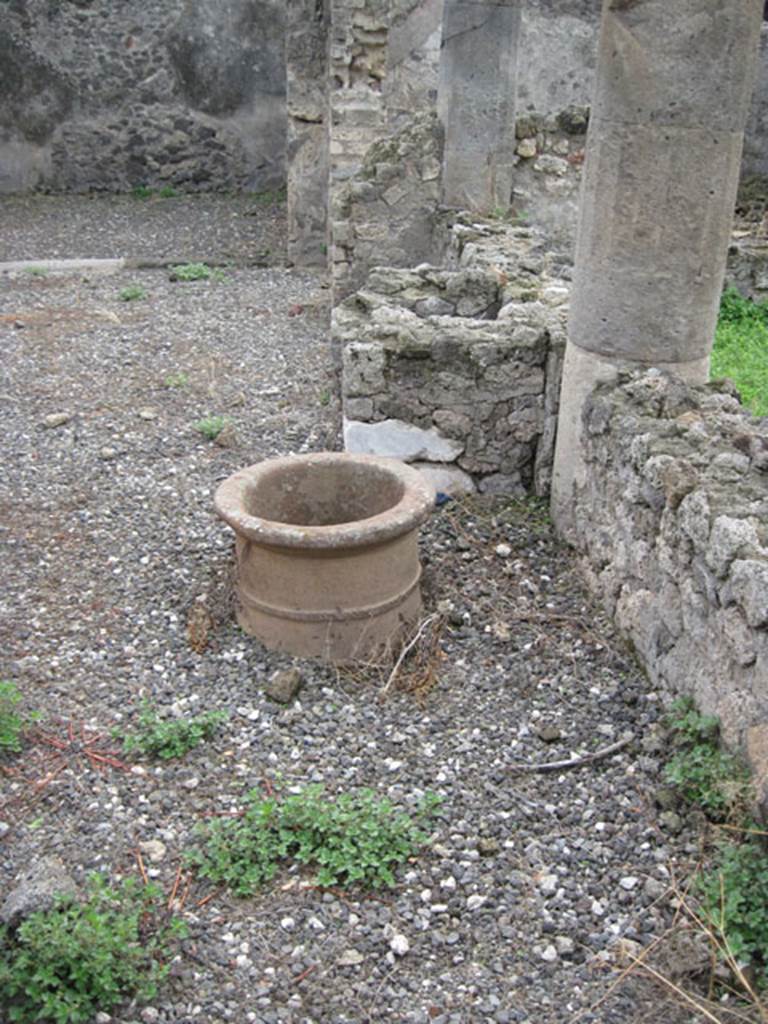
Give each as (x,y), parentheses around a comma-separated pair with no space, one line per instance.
(533,884)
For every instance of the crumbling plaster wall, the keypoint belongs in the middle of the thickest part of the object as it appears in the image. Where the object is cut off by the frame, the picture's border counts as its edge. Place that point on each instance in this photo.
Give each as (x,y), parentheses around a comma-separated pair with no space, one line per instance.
(107,96)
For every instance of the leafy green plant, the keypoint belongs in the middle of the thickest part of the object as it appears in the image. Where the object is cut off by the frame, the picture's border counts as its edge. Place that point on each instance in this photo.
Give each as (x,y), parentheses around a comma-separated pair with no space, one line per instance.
(704,774)
(191,272)
(142,192)
(66,964)
(211,426)
(741,348)
(734,903)
(176,380)
(12,722)
(350,838)
(168,192)
(132,292)
(168,738)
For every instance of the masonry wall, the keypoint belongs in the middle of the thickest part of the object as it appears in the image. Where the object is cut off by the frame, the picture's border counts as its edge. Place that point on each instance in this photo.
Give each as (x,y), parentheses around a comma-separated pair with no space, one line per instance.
(109,95)
(673,525)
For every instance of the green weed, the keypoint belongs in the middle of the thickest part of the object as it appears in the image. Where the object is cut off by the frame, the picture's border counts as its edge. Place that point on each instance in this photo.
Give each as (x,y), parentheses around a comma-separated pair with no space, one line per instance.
(734,902)
(168,738)
(211,426)
(352,838)
(132,292)
(191,272)
(704,774)
(66,964)
(168,192)
(176,380)
(12,722)
(142,192)
(36,271)
(741,349)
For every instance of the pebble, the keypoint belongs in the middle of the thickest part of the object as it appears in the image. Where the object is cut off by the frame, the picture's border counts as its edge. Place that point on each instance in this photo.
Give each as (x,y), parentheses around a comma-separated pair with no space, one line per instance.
(628,882)
(148,412)
(399,944)
(154,849)
(56,419)
(350,958)
(475,901)
(549,954)
(503,550)
(548,884)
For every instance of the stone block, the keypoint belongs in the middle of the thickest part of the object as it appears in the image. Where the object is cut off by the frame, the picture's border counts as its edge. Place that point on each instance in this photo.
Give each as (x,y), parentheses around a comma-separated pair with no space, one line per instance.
(446,479)
(399,440)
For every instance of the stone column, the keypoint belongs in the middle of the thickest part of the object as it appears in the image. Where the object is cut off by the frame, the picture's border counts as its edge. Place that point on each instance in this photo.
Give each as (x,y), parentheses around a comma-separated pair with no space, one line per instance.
(306,53)
(673,88)
(476,101)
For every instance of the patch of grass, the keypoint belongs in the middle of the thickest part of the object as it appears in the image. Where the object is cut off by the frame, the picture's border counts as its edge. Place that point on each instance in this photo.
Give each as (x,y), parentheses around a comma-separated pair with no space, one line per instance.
(211,426)
(132,292)
(191,272)
(36,271)
(68,963)
(350,838)
(176,380)
(142,192)
(168,738)
(325,397)
(12,722)
(168,192)
(704,774)
(741,349)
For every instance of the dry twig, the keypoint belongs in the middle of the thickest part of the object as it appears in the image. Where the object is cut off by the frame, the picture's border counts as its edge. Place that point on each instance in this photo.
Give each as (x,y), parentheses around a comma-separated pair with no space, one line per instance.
(573,762)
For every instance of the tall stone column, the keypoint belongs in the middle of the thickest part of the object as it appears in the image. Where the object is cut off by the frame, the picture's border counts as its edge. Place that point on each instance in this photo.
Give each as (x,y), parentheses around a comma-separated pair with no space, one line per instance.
(476,101)
(664,149)
(306,54)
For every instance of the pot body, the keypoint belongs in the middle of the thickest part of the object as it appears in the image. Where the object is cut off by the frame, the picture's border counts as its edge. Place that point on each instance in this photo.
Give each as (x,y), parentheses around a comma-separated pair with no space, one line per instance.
(324,579)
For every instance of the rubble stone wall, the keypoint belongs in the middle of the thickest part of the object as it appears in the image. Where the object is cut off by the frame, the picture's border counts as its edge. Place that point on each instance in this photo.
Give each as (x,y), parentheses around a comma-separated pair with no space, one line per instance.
(457,368)
(107,96)
(673,522)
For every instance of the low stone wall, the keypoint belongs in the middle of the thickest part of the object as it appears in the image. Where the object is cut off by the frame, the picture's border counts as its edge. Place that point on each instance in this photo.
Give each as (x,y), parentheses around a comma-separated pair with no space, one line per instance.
(673,523)
(458,369)
(189,93)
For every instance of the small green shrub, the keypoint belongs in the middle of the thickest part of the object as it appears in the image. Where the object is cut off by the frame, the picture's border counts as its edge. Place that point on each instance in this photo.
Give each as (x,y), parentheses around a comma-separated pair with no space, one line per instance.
(168,738)
(352,838)
(176,380)
(132,292)
(211,426)
(12,723)
(704,774)
(168,192)
(66,964)
(191,272)
(734,902)
(142,192)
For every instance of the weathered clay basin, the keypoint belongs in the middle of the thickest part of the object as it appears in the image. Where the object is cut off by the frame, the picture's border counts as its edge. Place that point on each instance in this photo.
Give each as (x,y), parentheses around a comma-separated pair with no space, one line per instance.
(327,553)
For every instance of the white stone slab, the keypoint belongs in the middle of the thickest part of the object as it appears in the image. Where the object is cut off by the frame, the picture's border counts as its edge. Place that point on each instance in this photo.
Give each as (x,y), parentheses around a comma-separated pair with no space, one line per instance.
(399,440)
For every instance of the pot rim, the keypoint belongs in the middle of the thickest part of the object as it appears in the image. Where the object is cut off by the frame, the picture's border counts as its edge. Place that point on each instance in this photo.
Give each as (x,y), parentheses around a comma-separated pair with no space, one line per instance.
(405,515)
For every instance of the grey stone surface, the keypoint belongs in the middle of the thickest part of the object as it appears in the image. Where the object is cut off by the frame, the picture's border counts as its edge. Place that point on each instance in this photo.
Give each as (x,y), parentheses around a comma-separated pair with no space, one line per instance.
(661,176)
(110,96)
(478,67)
(36,890)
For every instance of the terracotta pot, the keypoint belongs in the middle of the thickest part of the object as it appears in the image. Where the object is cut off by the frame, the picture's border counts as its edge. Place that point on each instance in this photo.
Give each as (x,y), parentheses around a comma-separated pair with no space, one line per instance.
(328,563)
